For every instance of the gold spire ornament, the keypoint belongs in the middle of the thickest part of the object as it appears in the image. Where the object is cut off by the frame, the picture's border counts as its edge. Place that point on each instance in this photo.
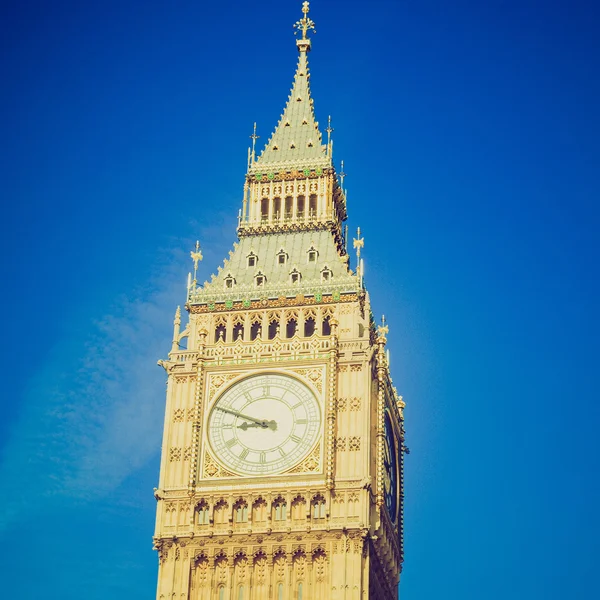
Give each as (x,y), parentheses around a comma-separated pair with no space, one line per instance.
(196,257)
(358,244)
(305,23)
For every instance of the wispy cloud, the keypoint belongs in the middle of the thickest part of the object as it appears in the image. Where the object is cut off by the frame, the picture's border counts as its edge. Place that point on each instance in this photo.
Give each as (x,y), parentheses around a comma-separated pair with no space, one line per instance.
(93,413)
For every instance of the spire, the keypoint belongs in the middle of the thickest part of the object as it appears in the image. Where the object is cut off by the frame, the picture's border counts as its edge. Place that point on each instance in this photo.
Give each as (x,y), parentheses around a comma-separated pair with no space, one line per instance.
(297,140)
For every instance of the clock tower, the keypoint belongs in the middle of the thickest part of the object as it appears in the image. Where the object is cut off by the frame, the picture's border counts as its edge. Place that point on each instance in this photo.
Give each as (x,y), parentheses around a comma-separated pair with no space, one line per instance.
(281,474)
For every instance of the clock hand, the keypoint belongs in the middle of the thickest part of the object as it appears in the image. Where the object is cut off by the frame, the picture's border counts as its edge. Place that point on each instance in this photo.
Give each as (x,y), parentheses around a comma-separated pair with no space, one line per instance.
(261,423)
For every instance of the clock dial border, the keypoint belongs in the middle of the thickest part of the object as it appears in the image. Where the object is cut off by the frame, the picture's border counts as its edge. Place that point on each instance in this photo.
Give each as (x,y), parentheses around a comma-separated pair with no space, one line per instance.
(391,497)
(306,400)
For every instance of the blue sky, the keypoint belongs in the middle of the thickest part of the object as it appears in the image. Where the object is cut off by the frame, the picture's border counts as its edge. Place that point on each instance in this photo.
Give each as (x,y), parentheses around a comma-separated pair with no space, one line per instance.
(469,132)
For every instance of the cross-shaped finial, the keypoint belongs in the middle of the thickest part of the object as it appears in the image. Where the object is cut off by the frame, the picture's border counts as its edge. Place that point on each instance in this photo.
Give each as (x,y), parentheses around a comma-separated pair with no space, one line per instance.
(383,329)
(342,175)
(196,257)
(304,24)
(358,243)
(329,131)
(254,137)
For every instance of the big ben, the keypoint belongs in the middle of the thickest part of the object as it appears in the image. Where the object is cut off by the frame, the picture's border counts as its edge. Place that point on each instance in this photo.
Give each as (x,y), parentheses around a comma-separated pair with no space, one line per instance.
(281,472)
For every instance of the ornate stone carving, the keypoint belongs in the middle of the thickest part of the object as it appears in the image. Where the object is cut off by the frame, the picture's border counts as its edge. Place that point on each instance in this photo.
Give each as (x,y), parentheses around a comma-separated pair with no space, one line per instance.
(354,443)
(174,454)
(187,453)
(355,404)
(311,464)
(178,415)
(218,381)
(212,470)
(315,376)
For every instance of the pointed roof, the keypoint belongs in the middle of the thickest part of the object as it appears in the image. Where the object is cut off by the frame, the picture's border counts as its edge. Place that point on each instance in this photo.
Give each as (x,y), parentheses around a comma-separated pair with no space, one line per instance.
(296,141)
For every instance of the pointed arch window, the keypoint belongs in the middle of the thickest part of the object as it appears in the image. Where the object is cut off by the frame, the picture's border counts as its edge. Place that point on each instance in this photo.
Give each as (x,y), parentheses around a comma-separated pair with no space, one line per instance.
(279,510)
(240,511)
(203,513)
(309,326)
(255,329)
(238,331)
(318,507)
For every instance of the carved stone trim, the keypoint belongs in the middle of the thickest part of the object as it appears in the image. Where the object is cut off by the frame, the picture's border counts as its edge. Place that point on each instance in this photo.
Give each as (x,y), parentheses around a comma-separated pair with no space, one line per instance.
(272,303)
(212,470)
(311,464)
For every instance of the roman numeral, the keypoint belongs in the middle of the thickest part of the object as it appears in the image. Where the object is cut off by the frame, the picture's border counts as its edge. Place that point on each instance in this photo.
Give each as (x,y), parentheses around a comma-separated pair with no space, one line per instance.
(301,421)
(295,438)
(263,458)
(266,390)
(281,451)
(244,453)
(296,405)
(231,442)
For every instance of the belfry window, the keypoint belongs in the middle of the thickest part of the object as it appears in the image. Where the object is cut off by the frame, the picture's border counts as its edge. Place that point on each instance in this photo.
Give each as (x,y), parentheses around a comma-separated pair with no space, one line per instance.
(264,209)
(326,326)
(260,280)
(277,208)
(282,257)
(295,276)
(300,207)
(229,282)
(312,206)
(312,254)
(326,274)
(255,329)
(252,259)
(289,204)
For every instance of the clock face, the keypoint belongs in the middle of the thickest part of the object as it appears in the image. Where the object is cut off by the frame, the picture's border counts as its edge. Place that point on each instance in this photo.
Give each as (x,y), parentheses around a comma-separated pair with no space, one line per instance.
(264,424)
(390,485)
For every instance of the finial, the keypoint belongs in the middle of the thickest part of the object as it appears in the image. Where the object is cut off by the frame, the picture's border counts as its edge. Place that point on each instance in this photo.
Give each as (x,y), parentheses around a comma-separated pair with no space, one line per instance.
(304,25)
(253,137)
(383,329)
(196,257)
(342,175)
(358,243)
(329,131)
